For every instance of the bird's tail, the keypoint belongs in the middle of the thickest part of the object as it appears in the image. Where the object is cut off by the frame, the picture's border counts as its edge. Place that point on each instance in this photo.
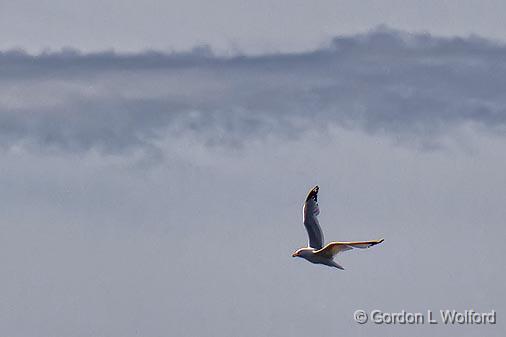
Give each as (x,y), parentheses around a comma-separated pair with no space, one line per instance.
(337,265)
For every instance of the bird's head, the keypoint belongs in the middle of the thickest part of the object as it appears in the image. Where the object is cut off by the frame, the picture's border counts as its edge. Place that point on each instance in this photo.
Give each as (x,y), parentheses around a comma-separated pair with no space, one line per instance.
(301,252)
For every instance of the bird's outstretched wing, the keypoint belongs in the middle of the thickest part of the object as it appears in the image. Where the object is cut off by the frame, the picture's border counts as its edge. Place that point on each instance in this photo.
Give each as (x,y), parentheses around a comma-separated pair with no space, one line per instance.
(311,212)
(330,250)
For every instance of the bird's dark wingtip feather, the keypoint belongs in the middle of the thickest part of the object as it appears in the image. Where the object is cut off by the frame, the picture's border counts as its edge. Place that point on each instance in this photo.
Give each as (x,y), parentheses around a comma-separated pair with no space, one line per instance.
(313,193)
(377,242)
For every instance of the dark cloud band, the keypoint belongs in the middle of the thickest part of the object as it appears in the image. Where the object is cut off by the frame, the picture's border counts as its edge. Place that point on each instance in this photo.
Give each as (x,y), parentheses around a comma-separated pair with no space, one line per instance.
(383,81)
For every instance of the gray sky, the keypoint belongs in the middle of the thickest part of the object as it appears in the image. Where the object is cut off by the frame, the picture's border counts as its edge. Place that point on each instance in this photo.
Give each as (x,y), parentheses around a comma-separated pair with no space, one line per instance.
(159,193)
(227,25)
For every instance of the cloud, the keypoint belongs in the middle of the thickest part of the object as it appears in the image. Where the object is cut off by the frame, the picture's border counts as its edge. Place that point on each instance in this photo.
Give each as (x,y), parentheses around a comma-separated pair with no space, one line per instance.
(413,86)
(95,244)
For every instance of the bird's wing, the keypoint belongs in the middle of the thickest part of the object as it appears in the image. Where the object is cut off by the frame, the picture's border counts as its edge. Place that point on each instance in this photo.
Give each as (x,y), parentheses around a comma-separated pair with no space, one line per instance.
(330,250)
(311,212)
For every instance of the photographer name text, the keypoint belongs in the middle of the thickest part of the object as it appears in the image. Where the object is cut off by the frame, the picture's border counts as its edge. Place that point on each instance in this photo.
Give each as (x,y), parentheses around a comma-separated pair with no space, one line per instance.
(447,316)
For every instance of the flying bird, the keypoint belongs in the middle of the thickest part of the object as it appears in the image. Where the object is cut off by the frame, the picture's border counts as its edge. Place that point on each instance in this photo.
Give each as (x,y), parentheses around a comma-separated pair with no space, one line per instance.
(316,252)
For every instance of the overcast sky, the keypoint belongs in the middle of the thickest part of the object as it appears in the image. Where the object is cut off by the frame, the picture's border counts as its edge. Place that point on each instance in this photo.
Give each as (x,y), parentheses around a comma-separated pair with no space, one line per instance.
(159,192)
(231,25)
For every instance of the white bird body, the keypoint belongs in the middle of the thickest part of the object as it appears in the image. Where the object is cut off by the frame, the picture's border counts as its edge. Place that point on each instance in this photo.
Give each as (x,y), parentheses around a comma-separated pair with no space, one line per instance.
(316,252)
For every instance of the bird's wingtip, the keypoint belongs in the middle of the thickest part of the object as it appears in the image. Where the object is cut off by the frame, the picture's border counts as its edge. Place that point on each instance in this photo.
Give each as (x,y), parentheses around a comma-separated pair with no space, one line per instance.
(313,193)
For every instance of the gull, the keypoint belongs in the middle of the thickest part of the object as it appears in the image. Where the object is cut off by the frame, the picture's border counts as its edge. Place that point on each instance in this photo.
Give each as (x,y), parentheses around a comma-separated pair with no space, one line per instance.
(316,252)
